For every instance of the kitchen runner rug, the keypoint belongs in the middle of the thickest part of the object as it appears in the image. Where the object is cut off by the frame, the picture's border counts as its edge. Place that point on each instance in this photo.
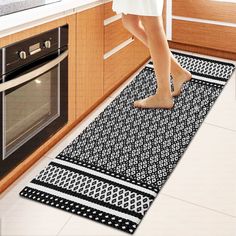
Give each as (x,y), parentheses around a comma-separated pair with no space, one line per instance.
(113,170)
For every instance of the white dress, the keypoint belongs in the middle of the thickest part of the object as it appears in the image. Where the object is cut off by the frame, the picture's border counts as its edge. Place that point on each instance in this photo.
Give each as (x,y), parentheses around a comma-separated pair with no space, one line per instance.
(138,7)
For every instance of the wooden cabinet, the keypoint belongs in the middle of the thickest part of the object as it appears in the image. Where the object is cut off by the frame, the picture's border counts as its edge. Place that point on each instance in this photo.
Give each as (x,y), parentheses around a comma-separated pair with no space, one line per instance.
(115,34)
(205,9)
(89,58)
(97,35)
(118,66)
(205,23)
(205,35)
(108,12)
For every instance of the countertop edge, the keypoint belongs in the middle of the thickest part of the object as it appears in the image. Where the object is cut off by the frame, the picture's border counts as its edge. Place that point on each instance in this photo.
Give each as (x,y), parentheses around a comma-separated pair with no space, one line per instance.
(50,14)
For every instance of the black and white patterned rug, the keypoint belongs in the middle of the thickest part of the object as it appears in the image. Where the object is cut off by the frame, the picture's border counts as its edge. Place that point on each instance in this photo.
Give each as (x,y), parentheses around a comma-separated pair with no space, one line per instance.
(114,169)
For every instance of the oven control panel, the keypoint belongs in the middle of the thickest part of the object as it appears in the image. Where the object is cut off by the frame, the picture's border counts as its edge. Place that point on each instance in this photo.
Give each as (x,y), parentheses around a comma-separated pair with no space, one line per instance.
(29,50)
(35,48)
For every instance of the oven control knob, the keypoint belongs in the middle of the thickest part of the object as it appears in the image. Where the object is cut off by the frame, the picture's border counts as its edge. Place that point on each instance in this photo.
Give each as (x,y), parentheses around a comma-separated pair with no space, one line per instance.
(22,55)
(47,44)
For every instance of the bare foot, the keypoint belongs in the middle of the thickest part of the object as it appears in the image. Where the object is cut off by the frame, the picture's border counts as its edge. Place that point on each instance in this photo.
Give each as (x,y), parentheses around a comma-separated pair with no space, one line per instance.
(179,79)
(155,101)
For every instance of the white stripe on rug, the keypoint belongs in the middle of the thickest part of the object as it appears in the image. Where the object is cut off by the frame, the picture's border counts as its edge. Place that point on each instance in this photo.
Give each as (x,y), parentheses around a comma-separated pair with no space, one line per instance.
(102,175)
(209,80)
(201,78)
(84,202)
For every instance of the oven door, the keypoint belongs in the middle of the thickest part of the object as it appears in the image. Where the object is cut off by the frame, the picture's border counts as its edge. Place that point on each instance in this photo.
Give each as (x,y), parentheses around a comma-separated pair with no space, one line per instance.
(34,105)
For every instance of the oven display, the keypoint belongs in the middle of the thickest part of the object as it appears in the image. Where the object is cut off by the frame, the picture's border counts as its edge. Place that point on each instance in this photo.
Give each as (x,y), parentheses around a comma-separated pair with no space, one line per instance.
(34,48)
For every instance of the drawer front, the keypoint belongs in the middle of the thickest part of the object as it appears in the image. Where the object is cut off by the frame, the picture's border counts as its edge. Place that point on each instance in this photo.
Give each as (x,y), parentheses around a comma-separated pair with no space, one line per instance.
(108,12)
(124,62)
(205,35)
(205,9)
(114,34)
(118,66)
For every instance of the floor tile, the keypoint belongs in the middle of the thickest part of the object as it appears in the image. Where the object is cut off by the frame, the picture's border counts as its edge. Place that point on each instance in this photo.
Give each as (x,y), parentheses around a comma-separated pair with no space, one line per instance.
(223,112)
(206,174)
(11,195)
(21,216)
(53,152)
(166,217)
(30,218)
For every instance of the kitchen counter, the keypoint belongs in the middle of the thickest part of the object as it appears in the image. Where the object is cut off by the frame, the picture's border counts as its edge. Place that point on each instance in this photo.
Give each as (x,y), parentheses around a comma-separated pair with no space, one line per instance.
(19,21)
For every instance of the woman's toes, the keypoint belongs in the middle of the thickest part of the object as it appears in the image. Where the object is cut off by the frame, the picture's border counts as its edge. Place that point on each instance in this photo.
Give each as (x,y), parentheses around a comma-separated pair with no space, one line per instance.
(176,93)
(155,101)
(137,103)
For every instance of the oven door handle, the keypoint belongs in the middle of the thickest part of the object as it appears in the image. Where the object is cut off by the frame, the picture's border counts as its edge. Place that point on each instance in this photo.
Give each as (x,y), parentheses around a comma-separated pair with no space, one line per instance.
(33,74)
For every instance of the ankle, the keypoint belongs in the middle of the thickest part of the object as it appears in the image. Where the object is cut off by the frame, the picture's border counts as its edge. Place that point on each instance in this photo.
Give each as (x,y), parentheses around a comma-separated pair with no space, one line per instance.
(178,72)
(164,92)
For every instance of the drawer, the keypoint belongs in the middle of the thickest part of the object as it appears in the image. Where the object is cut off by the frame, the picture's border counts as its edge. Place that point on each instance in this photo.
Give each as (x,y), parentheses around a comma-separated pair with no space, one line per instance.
(205,35)
(118,66)
(124,62)
(114,34)
(108,12)
(205,9)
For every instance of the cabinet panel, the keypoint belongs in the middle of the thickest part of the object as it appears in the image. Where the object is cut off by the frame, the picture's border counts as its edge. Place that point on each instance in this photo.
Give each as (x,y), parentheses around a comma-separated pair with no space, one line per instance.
(89,52)
(205,9)
(108,12)
(115,34)
(123,63)
(204,35)
(118,66)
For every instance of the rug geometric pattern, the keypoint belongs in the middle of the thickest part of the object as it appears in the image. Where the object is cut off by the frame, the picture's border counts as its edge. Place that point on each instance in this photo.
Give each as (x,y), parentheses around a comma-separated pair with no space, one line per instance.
(113,170)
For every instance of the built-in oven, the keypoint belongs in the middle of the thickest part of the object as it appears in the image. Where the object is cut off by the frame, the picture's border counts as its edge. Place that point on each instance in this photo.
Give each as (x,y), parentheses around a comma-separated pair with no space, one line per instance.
(33,94)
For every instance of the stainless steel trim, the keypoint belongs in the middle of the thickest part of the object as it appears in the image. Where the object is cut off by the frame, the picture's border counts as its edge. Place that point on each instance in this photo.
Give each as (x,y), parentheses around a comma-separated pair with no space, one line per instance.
(59,38)
(59,90)
(3,105)
(32,134)
(59,75)
(118,48)
(35,51)
(33,74)
(3,61)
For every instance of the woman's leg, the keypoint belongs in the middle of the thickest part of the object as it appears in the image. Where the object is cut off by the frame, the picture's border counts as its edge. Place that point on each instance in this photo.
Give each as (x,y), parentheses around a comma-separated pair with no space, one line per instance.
(160,54)
(180,75)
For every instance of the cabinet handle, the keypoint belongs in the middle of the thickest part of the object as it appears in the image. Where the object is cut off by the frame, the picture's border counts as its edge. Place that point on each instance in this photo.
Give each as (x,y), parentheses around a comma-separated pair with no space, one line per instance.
(33,74)
(119,47)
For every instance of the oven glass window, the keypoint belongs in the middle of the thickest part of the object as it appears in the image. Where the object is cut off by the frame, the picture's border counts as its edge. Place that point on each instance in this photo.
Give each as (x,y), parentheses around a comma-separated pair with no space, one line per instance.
(29,108)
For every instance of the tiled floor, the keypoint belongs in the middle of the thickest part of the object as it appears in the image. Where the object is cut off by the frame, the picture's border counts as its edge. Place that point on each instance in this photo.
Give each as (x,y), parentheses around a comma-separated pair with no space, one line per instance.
(199,199)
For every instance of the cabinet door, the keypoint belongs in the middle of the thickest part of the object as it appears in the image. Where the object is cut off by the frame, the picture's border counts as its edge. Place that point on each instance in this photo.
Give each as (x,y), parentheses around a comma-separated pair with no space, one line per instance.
(89,61)
(204,35)
(115,34)
(118,66)
(205,9)
(206,24)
